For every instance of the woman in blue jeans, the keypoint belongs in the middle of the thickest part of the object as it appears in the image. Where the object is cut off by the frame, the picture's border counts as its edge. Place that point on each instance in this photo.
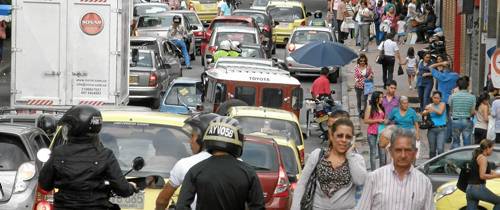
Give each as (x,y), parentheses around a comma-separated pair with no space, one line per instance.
(425,81)
(437,134)
(375,116)
(480,172)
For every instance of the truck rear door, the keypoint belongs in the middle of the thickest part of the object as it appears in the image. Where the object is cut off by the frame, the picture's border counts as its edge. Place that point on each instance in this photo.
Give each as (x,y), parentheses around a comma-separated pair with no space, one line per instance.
(37,70)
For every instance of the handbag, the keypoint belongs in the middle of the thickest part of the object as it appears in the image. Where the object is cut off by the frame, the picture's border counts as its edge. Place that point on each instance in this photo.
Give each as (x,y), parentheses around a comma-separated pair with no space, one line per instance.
(463,177)
(400,70)
(369,86)
(380,57)
(426,122)
(306,203)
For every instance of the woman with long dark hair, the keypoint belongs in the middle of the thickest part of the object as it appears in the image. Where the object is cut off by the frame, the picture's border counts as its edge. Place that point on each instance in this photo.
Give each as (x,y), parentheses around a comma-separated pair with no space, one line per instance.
(362,73)
(437,134)
(375,116)
(482,114)
(480,172)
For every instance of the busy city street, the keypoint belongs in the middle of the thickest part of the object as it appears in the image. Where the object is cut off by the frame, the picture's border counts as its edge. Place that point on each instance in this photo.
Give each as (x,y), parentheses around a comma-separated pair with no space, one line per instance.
(250,104)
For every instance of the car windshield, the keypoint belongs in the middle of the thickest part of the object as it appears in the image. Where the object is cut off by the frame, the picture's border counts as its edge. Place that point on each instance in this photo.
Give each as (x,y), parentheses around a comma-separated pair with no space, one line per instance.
(259,18)
(287,129)
(248,52)
(262,157)
(260,3)
(192,18)
(161,146)
(302,37)
(289,159)
(155,21)
(184,94)
(220,23)
(144,60)
(13,153)
(243,38)
(286,14)
(149,10)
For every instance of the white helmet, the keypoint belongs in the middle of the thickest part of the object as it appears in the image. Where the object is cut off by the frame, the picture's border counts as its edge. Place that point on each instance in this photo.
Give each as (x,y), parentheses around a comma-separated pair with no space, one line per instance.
(235,45)
(225,45)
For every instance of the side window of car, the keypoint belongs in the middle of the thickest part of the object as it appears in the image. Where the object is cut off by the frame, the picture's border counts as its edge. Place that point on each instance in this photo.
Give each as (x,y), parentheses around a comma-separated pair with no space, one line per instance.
(220,93)
(450,164)
(38,141)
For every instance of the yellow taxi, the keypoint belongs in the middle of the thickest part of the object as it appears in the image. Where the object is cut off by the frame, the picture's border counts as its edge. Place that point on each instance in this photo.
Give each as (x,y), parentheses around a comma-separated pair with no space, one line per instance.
(206,9)
(157,137)
(289,15)
(270,121)
(449,197)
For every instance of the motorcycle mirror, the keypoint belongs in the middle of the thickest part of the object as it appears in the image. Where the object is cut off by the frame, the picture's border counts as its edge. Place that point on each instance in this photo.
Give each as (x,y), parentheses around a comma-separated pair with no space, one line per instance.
(138,163)
(43,155)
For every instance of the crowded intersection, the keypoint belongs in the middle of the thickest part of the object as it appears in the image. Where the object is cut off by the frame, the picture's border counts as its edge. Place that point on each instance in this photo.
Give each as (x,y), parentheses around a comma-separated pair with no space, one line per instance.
(249,104)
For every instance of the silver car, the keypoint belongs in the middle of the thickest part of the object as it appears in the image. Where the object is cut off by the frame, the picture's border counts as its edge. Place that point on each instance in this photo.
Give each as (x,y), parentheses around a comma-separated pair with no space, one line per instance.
(143,9)
(300,37)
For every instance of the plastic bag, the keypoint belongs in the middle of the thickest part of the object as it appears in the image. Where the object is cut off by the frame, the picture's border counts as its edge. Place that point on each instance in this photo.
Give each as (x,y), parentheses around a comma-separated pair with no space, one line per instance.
(491,135)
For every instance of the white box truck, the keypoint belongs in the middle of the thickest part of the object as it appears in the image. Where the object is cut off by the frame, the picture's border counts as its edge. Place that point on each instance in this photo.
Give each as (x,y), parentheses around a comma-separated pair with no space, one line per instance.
(70,52)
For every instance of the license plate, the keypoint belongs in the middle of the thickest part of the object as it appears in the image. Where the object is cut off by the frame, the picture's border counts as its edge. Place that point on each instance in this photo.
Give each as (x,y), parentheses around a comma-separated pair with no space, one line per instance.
(133,80)
(322,119)
(135,201)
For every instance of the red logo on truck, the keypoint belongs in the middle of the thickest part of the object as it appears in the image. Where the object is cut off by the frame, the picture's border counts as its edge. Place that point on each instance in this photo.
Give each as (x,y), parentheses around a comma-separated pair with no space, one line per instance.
(91,23)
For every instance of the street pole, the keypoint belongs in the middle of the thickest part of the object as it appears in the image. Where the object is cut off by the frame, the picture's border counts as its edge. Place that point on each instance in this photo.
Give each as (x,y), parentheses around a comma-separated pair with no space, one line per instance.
(498,25)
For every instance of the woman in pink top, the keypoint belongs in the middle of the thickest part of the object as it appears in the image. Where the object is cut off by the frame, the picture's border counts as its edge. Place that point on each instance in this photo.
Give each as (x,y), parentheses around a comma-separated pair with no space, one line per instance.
(374,116)
(362,73)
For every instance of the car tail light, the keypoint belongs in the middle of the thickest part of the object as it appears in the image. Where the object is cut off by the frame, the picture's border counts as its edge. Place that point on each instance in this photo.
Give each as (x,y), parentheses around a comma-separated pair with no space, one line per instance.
(282,188)
(212,49)
(301,156)
(207,35)
(198,33)
(303,23)
(267,28)
(291,47)
(25,173)
(153,79)
(43,200)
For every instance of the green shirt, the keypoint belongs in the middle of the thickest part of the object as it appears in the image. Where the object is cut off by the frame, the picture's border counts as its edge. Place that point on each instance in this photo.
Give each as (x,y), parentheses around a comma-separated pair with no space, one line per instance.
(223,53)
(462,103)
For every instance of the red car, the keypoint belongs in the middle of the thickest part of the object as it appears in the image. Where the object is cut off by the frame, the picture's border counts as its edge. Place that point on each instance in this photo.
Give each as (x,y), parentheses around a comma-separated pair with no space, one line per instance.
(225,21)
(263,154)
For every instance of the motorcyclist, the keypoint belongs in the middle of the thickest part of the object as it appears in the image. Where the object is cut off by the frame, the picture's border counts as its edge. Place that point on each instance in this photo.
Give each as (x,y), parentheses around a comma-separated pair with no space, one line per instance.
(318,19)
(321,85)
(226,49)
(177,33)
(79,168)
(222,181)
(196,126)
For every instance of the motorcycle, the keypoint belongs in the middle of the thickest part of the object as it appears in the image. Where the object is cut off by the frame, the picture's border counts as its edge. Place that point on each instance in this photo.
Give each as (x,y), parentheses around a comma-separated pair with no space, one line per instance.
(436,47)
(321,109)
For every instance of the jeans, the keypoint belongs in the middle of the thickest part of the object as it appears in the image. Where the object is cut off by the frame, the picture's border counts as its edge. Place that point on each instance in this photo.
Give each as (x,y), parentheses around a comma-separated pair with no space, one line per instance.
(364,36)
(361,99)
(461,127)
(479,192)
(378,33)
(185,53)
(436,137)
(374,148)
(424,93)
(388,69)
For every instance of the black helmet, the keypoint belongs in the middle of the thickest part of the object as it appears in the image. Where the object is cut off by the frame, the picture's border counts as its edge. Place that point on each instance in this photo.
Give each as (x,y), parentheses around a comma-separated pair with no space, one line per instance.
(81,121)
(198,124)
(223,134)
(318,14)
(176,19)
(47,123)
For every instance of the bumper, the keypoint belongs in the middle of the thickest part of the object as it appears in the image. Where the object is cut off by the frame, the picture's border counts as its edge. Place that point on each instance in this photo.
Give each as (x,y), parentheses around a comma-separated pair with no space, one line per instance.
(144,92)
(278,203)
(303,69)
(207,16)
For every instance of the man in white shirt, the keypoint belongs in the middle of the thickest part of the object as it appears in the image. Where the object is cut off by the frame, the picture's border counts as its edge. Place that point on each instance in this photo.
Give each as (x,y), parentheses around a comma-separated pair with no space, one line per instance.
(196,125)
(391,52)
(398,185)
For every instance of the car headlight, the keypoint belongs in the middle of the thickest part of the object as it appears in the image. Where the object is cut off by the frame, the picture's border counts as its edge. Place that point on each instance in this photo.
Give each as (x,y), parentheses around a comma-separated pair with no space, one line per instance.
(445,191)
(24,174)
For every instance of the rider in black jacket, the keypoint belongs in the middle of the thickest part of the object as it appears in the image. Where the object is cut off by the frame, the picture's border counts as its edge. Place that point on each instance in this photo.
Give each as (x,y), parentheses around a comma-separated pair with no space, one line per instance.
(222,181)
(80,167)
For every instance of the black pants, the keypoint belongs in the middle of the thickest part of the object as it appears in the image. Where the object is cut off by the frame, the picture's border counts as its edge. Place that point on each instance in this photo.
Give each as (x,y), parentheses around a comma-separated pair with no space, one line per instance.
(479,135)
(388,69)
(361,99)
(341,36)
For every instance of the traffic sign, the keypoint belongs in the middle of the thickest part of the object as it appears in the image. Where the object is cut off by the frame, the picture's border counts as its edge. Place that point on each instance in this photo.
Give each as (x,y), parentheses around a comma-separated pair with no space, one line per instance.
(495,64)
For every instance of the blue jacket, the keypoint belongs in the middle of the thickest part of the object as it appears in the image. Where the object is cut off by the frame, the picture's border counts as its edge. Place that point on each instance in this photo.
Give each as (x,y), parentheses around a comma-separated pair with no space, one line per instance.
(447,81)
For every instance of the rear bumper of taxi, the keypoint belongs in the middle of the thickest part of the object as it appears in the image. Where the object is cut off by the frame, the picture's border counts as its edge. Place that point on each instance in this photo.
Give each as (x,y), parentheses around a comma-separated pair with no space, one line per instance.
(144,92)
(207,16)
(281,37)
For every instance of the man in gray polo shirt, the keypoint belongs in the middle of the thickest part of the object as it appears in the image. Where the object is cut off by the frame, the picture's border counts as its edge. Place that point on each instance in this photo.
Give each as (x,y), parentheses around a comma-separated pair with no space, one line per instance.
(462,106)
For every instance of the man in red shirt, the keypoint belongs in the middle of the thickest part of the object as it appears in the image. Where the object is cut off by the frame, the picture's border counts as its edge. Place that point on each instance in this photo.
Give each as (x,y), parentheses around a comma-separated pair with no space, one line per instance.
(321,85)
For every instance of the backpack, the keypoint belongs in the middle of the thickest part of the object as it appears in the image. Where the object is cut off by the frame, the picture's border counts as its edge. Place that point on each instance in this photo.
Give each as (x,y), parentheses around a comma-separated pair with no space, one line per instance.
(463,178)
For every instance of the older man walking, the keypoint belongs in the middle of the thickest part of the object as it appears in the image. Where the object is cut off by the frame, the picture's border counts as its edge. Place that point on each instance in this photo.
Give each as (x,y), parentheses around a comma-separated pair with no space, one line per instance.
(398,185)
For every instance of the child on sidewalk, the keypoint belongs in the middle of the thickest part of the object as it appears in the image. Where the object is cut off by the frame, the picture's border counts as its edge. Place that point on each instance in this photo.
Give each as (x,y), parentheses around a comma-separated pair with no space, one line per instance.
(401,30)
(411,65)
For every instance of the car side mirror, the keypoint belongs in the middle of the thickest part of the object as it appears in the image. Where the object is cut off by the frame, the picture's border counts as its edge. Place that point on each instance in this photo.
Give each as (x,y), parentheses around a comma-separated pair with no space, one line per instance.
(276,23)
(193,27)
(138,163)
(304,135)
(292,178)
(43,155)
(308,14)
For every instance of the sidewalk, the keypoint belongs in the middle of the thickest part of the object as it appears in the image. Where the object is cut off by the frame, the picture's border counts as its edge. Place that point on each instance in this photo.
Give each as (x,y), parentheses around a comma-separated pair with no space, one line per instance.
(349,95)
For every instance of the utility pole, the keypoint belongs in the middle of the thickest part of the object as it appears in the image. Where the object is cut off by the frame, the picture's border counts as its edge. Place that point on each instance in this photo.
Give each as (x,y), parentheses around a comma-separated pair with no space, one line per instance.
(498,25)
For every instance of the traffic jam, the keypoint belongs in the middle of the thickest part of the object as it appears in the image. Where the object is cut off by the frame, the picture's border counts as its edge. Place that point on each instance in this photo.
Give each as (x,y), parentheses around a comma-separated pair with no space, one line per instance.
(192,104)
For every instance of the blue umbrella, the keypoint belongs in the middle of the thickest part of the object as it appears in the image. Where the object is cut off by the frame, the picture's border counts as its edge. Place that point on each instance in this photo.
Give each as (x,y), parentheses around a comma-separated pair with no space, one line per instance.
(323,53)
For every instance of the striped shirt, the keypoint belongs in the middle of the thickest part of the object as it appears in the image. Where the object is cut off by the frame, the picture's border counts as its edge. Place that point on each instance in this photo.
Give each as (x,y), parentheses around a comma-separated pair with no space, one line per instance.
(384,190)
(462,103)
